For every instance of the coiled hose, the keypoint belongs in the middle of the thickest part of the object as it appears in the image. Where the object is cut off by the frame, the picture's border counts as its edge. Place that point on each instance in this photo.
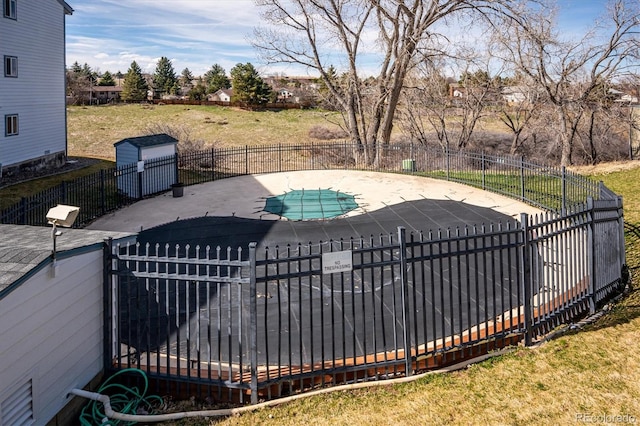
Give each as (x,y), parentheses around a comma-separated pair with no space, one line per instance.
(123,399)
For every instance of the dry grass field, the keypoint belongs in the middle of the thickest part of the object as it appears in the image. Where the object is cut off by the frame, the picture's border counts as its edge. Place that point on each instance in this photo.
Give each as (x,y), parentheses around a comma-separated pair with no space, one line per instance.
(92,131)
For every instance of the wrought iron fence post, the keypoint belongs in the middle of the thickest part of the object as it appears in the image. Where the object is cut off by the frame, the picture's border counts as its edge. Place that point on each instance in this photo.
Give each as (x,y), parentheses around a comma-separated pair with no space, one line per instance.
(176,160)
(246,159)
(213,164)
(106,304)
(525,277)
(591,243)
(564,190)
(313,162)
(139,175)
(345,154)
(621,246)
(63,190)
(522,185)
(103,195)
(484,174)
(23,211)
(253,323)
(447,158)
(406,338)
(412,158)
(279,157)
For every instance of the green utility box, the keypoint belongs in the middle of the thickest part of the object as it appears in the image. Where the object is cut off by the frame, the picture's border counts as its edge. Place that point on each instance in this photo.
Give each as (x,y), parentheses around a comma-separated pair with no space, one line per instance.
(409,165)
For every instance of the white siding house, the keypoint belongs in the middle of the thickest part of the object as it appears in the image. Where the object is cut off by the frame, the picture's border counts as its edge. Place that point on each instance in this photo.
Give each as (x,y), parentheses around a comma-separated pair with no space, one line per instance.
(221,95)
(32,83)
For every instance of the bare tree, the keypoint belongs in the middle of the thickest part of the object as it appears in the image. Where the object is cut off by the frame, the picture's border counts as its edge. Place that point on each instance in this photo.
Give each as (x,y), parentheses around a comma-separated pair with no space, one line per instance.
(519,111)
(479,91)
(574,74)
(78,88)
(427,105)
(433,108)
(316,33)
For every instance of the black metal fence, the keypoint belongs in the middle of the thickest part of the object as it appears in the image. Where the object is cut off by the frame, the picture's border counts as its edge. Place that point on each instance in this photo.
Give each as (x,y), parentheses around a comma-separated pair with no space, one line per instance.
(552,188)
(298,317)
(220,323)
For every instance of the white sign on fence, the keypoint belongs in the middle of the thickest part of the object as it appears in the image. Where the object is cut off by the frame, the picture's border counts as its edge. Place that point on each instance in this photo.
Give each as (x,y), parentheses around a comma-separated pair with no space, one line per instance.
(338,261)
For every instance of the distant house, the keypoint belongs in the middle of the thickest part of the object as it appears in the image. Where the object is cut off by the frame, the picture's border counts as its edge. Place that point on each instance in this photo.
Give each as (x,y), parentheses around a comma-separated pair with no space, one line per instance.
(106,94)
(623,97)
(221,95)
(297,82)
(297,90)
(456,90)
(32,105)
(284,95)
(516,94)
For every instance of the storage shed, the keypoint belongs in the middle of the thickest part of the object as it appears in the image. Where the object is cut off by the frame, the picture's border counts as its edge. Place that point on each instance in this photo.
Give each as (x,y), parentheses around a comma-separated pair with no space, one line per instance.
(146,164)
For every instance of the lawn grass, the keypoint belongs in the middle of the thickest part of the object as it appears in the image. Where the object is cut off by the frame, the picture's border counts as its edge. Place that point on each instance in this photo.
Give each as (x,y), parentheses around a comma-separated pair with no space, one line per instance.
(92,131)
(544,191)
(11,195)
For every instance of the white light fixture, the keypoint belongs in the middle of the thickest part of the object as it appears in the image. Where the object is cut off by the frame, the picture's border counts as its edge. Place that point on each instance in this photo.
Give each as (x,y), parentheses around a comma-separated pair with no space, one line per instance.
(61,215)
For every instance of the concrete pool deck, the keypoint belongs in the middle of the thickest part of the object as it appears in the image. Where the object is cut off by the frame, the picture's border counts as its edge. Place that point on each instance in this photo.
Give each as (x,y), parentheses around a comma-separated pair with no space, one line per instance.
(245,197)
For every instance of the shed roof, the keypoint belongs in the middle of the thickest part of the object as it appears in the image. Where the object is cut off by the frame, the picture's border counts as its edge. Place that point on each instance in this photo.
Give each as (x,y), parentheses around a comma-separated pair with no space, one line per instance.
(150,140)
(23,248)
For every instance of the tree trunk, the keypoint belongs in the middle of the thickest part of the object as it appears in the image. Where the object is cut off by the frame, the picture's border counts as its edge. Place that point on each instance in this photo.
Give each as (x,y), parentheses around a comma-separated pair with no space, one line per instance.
(565,138)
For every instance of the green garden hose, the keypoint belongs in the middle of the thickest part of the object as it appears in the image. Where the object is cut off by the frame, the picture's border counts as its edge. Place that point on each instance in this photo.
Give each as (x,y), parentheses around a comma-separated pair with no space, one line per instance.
(123,399)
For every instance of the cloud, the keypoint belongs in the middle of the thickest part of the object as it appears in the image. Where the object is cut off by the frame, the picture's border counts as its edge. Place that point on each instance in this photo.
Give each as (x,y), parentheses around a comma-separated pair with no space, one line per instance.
(109,34)
(195,34)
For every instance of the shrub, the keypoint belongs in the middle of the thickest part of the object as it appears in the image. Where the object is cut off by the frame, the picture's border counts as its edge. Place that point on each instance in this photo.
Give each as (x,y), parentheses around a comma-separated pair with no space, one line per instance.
(325,133)
(186,142)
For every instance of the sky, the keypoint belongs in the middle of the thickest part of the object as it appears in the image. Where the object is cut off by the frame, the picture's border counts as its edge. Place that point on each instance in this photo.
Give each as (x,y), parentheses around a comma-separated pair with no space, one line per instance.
(109,34)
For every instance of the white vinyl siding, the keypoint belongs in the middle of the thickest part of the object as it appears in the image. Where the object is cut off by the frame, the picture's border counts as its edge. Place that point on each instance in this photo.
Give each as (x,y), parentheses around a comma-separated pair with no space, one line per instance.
(17,407)
(55,328)
(126,154)
(37,96)
(157,151)
(11,125)
(10,66)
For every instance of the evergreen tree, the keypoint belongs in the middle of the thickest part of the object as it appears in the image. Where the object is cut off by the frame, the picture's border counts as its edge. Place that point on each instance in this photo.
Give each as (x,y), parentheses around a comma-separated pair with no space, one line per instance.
(89,73)
(248,86)
(197,93)
(107,79)
(164,79)
(76,68)
(328,100)
(80,80)
(135,87)
(216,79)
(186,77)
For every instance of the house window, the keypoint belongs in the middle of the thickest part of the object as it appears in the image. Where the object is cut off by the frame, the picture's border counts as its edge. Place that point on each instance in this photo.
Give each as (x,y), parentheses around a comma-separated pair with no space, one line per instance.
(10,9)
(11,125)
(10,66)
